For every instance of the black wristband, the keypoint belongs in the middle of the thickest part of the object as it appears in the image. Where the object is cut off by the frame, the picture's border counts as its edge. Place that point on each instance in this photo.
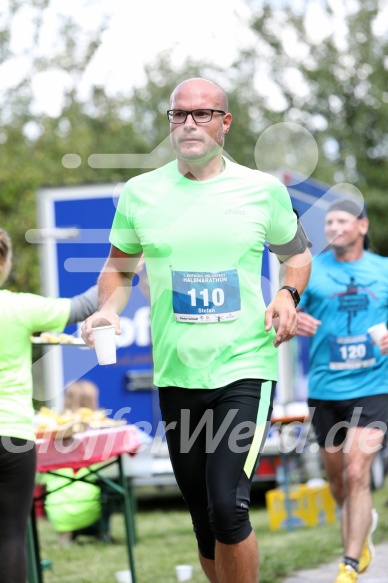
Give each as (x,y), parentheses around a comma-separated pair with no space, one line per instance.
(294,292)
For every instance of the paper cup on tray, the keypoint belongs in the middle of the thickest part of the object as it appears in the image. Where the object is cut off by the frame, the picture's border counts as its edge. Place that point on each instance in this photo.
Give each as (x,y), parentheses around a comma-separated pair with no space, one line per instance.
(105,344)
(377,332)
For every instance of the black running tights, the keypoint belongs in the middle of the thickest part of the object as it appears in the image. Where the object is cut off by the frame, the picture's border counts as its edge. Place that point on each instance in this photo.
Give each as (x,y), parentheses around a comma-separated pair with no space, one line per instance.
(17,473)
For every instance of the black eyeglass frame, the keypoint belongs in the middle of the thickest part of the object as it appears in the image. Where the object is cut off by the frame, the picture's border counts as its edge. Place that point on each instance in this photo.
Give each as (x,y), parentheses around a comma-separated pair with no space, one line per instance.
(190,112)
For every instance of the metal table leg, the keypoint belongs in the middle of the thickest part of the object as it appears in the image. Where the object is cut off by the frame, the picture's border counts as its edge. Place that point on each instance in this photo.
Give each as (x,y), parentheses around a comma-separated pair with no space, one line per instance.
(128,518)
(33,554)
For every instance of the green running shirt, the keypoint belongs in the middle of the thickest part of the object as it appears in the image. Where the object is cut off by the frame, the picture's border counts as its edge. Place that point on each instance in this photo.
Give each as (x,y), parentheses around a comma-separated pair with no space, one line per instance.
(21,314)
(193,229)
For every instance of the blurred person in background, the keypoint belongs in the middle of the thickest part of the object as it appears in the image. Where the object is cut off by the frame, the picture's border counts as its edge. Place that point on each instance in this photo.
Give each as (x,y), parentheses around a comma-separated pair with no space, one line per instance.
(22,314)
(348,374)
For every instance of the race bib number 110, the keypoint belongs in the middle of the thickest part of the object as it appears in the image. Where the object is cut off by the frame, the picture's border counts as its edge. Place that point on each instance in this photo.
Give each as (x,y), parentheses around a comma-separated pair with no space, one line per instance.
(205,297)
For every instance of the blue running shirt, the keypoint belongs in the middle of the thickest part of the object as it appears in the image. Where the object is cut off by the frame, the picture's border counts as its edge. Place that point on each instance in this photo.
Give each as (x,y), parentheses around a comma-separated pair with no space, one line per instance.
(349,298)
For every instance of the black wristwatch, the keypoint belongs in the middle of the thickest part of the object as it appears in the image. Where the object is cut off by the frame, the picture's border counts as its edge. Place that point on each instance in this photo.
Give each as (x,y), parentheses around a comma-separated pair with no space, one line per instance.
(294,292)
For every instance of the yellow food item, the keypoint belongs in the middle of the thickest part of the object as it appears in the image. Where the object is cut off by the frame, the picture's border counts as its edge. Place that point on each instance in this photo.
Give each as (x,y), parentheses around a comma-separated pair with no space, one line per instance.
(84,412)
(64,419)
(49,337)
(48,424)
(99,414)
(48,412)
(66,338)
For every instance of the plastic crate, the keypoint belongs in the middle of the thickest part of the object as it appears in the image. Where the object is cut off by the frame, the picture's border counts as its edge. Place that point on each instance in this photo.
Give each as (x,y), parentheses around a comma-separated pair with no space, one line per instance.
(307,506)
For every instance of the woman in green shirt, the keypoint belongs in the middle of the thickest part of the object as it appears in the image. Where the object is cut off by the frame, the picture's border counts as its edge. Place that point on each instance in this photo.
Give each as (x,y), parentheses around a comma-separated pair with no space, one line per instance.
(22,314)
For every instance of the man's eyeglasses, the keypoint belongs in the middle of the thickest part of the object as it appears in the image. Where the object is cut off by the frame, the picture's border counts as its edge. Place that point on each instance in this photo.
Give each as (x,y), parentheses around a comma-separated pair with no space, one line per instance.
(198,115)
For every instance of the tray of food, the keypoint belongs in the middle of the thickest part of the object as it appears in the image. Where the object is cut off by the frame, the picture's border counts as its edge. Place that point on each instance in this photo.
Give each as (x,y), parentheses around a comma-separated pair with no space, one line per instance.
(48,339)
(52,425)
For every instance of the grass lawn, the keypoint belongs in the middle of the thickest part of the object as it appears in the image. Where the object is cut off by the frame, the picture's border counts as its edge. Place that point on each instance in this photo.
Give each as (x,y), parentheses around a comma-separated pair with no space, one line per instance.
(165,539)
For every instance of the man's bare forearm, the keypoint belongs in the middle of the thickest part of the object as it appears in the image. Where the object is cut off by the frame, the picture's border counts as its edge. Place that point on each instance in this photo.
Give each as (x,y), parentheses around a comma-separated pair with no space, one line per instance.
(114,289)
(281,312)
(115,281)
(296,271)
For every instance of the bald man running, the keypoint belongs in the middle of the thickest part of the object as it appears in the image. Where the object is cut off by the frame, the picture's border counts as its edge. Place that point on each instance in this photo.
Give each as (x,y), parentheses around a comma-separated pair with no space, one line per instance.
(201,222)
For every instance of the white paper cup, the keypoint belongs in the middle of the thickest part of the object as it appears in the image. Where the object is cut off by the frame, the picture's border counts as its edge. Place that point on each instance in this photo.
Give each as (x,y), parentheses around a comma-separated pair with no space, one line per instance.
(123,576)
(184,572)
(105,344)
(377,332)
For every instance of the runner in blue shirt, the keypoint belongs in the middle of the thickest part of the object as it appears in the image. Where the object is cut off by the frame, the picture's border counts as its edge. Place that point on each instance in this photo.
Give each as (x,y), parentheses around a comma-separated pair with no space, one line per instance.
(348,373)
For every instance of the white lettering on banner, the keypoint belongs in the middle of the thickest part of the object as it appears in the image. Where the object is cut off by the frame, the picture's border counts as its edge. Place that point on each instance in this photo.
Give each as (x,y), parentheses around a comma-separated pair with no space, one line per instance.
(136,330)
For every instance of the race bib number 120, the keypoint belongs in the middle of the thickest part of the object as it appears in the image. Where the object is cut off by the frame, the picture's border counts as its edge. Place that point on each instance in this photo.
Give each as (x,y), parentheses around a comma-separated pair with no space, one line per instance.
(351,352)
(205,297)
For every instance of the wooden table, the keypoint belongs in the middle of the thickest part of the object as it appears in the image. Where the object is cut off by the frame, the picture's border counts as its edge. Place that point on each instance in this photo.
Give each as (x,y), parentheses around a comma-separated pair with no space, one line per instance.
(83,450)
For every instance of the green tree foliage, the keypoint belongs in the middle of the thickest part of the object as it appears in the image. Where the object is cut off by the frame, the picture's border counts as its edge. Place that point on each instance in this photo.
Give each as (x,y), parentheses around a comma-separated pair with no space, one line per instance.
(33,146)
(335,87)
(28,164)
